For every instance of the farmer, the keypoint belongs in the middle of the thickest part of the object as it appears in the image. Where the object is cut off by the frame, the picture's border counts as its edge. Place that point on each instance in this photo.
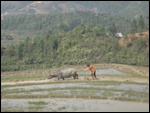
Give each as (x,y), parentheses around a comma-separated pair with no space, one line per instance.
(93,71)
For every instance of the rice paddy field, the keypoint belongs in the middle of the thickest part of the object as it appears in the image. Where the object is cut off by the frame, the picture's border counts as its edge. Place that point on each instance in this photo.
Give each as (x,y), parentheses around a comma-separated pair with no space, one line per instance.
(118,88)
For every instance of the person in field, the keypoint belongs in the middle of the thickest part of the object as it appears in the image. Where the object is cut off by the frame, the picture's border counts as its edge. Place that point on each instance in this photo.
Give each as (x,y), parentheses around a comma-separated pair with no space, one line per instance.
(93,71)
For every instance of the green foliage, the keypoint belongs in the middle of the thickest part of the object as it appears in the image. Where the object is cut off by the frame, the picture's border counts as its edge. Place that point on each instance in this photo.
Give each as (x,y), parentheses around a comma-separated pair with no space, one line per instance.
(69,50)
(141,24)
(70,39)
(99,31)
(113,29)
(134,26)
(138,25)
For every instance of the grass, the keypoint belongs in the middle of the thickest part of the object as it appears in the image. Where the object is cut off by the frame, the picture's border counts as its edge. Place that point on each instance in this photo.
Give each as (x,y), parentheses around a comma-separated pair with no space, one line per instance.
(75,92)
(36,105)
(11,110)
(12,78)
(85,97)
(95,83)
(71,89)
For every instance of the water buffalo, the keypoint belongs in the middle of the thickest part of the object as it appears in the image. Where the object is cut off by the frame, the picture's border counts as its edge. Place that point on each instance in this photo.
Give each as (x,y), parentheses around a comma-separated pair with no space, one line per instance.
(64,73)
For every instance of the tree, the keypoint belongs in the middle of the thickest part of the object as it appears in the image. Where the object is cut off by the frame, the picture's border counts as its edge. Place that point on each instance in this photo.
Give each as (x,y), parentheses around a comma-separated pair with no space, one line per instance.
(113,29)
(133,26)
(63,26)
(20,51)
(99,30)
(141,24)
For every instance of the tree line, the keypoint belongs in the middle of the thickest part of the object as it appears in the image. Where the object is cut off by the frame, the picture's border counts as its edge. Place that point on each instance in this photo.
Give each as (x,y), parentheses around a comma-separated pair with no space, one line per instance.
(69,49)
(75,39)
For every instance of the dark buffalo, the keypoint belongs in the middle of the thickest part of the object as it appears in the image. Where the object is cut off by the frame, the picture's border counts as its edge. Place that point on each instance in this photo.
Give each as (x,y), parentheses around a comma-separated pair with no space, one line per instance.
(64,73)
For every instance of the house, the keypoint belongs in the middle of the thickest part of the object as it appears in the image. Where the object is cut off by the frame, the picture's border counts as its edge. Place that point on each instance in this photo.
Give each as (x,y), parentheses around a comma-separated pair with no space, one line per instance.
(119,35)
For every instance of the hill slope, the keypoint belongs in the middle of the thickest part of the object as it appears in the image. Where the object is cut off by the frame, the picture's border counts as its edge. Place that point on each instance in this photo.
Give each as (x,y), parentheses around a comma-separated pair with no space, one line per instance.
(130,8)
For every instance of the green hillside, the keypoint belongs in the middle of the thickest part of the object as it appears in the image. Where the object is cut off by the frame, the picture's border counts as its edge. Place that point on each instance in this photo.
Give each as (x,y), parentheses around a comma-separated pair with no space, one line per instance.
(30,41)
(67,40)
(22,26)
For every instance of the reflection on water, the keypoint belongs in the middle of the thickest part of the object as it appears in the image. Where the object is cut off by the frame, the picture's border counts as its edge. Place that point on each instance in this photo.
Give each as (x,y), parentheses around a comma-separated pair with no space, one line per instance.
(110,71)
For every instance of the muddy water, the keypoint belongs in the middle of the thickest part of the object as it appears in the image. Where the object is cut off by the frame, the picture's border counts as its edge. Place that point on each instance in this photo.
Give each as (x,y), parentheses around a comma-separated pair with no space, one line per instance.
(45,86)
(109,71)
(123,86)
(74,105)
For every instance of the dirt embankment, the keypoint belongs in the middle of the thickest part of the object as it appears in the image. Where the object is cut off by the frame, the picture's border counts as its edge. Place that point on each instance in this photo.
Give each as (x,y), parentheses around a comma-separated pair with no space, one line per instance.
(102,78)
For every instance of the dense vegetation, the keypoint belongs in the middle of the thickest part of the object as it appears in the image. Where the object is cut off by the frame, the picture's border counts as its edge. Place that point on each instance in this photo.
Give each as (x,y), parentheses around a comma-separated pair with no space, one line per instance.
(72,38)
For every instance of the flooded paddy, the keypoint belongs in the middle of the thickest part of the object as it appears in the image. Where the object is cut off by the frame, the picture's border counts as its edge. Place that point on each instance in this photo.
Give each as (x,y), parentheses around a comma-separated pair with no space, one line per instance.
(117,92)
(73,105)
(109,71)
(122,86)
(89,89)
